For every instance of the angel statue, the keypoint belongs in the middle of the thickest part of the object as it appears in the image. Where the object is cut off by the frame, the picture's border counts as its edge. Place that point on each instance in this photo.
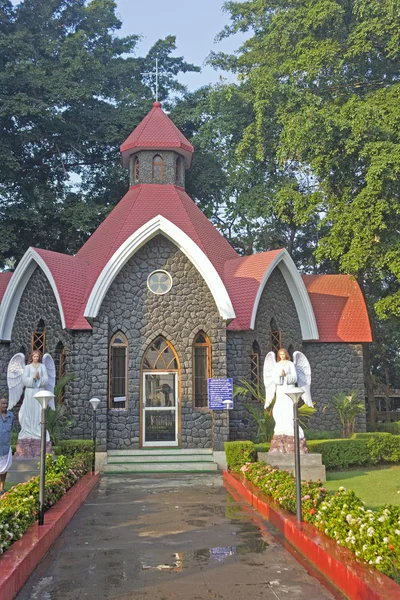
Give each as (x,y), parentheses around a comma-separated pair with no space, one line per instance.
(279,377)
(38,374)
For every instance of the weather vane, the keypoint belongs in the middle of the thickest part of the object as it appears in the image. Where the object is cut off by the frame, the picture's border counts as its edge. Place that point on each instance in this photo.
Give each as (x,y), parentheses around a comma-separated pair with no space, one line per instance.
(152,74)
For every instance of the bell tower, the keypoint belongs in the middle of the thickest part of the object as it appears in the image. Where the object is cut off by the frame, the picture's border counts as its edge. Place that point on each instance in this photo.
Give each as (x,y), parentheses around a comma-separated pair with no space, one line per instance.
(156,151)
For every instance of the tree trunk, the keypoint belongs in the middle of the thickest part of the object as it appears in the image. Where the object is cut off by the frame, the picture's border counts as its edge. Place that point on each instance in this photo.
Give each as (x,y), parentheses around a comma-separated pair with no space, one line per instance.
(369,386)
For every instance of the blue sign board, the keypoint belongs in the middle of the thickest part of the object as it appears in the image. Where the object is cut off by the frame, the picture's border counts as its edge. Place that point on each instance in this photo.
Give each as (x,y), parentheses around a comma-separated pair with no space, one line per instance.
(220,394)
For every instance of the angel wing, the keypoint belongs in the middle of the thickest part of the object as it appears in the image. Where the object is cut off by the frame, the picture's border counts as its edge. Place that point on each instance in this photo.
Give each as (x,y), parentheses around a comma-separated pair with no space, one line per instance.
(15,371)
(48,362)
(268,376)
(303,371)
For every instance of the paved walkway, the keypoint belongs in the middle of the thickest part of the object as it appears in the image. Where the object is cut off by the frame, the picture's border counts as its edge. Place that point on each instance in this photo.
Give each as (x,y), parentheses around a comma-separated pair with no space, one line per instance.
(169,537)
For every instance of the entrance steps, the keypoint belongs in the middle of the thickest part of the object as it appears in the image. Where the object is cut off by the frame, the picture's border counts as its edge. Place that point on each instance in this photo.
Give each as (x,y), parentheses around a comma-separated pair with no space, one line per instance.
(161,460)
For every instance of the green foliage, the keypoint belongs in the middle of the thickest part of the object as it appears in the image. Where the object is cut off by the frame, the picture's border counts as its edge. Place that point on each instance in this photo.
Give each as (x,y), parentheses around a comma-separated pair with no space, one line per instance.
(372,449)
(71,447)
(389,427)
(71,92)
(348,408)
(322,435)
(384,448)
(262,447)
(59,420)
(372,536)
(281,486)
(263,418)
(238,454)
(19,506)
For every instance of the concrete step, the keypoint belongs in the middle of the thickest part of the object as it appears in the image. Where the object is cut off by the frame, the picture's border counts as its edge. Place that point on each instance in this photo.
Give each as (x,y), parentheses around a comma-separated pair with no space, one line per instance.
(161,467)
(156,458)
(160,451)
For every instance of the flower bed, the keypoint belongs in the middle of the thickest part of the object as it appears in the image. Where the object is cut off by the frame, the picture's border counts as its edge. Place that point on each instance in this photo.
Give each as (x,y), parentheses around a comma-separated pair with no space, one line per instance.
(373,536)
(19,506)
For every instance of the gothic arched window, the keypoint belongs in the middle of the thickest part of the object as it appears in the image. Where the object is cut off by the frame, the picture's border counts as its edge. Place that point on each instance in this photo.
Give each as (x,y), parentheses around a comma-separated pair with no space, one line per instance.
(275,336)
(201,369)
(39,337)
(118,371)
(158,168)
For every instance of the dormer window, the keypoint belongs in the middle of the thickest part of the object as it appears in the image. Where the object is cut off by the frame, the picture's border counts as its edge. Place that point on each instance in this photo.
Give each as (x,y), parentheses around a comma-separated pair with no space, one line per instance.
(136,169)
(158,168)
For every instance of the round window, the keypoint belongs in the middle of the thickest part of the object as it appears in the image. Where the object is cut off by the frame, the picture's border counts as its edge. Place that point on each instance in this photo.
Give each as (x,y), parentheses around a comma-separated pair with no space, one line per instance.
(159,282)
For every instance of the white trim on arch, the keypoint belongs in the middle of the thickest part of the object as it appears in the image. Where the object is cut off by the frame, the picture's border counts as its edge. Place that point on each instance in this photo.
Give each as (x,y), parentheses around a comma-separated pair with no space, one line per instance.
(150,229)
(298,291)
(16,286)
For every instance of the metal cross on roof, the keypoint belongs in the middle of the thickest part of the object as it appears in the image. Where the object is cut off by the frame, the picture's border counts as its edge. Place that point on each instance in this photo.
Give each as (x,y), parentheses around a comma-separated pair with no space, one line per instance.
(154,73)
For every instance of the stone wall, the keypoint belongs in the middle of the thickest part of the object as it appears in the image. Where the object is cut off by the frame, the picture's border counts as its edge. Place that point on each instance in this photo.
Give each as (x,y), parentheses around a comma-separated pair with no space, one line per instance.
(275,303)
(169,168)
(335,368)
(178,316)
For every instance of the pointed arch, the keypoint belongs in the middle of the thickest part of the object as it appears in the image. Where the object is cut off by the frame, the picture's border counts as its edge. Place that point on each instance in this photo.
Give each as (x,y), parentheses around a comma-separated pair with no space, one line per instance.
(157,168)
(16,287)
(160,355)
(144,234)
(298,291)
(201,369)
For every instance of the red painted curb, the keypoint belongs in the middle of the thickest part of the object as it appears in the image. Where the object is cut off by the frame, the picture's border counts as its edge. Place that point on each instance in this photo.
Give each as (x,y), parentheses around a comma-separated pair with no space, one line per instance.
(337,564)
(19,561)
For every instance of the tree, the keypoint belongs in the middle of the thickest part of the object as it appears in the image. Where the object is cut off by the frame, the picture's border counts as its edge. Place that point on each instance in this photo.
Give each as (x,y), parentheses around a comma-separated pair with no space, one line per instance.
(71,91)
(325,74)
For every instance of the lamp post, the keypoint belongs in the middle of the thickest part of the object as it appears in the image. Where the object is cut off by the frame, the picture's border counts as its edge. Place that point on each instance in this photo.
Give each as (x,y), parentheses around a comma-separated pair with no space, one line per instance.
(94,402)
(43,397)
(295,394)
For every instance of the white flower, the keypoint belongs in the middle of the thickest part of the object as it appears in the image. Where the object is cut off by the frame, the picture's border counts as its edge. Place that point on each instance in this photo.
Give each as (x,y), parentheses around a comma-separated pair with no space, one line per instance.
(370,531)
(378,559)
(348,518)
(365,547)
(397,531)
(385,540)
(382,519)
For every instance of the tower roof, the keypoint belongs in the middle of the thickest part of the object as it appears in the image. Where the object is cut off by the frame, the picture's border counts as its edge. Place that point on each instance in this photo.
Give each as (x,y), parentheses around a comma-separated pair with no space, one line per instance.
(156,132)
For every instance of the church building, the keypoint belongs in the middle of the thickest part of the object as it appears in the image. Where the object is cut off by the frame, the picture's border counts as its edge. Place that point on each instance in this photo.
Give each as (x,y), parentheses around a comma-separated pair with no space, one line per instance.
(157,301)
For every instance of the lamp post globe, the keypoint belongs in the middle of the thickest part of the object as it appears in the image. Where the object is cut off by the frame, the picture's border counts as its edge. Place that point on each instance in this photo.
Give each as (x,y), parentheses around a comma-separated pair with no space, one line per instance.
(43,397)
(295,393)
(94,402)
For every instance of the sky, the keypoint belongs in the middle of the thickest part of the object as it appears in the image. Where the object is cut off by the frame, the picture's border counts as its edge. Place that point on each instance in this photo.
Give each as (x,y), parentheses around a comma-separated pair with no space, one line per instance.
(195,24)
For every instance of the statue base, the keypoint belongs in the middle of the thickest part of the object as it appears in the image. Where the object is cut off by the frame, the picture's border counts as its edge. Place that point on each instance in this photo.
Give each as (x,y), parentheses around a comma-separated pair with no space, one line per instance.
(30,448)
(284,444)
(311,466)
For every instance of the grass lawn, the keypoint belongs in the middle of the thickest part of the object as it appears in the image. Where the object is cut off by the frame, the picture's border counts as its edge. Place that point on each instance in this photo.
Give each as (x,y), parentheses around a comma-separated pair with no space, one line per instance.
(375,486)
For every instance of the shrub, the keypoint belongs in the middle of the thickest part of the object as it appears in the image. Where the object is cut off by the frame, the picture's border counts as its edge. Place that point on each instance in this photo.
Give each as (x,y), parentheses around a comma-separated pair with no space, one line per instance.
(373,536)
(347,408)
(384,447)
(281,486)
(322,435)
(389,427)
(361,449)
(71,447)
(238,454)
(19,506)
(342,453)
(262,447)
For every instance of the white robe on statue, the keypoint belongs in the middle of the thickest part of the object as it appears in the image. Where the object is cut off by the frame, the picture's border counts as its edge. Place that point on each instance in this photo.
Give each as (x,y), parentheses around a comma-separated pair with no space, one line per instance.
(283,407)
(30,412)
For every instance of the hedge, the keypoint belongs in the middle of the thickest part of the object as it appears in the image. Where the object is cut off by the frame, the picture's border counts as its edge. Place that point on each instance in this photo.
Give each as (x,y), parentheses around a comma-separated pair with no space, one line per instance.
(378,448)
(71,447)
(238,454)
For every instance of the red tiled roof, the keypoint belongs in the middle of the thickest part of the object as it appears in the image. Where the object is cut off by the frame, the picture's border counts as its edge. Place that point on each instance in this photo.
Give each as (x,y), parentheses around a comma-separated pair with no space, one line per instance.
(4,279)
(141,204)
(70,274)
(242,278)
(156,131)
(339,308)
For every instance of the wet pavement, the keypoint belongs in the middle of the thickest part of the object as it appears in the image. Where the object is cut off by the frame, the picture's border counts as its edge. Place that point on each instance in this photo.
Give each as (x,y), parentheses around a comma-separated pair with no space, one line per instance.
(169,537)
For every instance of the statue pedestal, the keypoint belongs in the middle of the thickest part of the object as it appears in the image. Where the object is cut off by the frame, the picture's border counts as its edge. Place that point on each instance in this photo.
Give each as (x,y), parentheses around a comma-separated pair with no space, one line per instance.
(284,444)
(30,448)
(310,464)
